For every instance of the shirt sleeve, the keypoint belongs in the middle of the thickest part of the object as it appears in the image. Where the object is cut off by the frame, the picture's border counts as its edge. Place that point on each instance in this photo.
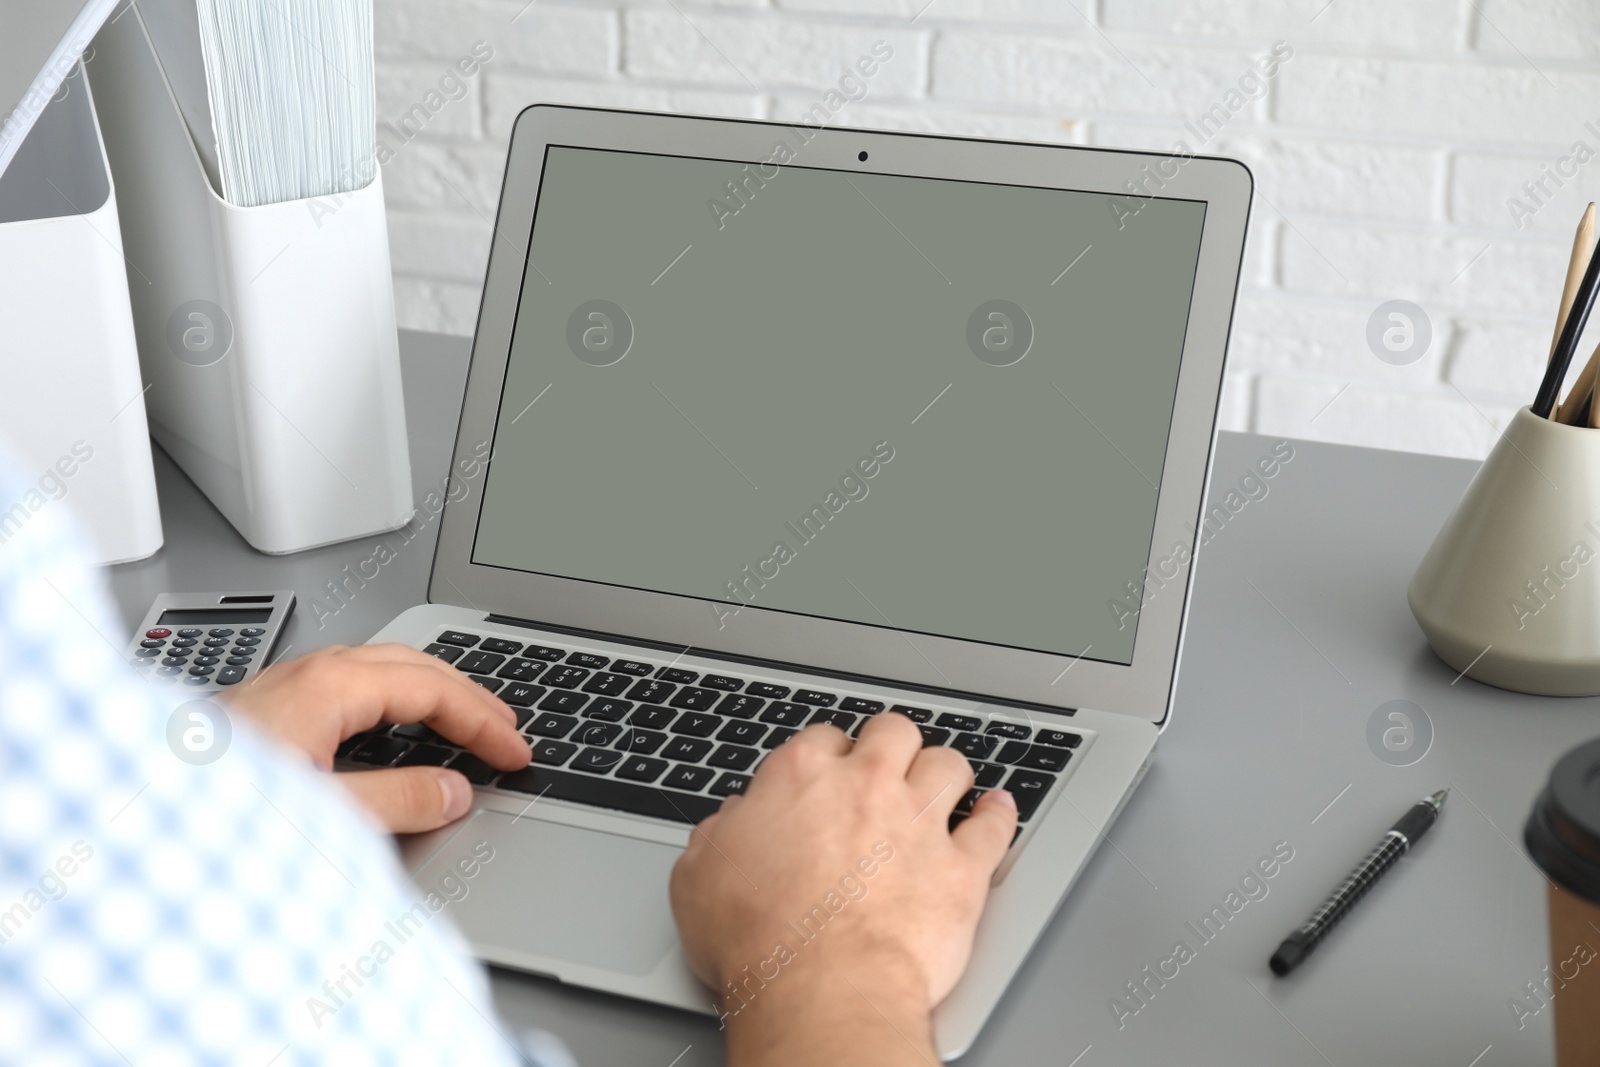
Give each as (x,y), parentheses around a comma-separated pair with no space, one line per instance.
(173,888)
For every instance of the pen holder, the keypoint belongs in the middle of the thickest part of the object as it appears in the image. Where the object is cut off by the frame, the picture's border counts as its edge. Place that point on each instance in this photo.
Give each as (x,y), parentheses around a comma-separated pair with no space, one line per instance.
(1509,592)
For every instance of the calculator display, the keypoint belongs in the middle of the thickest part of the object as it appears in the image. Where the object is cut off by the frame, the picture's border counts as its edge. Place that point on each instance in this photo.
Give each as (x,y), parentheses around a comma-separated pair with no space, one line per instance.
(213,616)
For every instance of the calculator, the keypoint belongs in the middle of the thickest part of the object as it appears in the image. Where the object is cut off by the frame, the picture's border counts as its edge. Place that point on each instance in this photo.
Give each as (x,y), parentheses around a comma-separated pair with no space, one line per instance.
(209,641)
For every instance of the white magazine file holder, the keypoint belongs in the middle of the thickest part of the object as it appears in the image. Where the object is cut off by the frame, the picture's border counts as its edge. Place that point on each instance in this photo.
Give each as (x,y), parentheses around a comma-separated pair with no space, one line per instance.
(70,405)
(267,333)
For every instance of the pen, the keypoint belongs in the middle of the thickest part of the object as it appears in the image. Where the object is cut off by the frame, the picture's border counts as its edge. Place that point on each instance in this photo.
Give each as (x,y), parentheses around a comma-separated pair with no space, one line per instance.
(1394,844)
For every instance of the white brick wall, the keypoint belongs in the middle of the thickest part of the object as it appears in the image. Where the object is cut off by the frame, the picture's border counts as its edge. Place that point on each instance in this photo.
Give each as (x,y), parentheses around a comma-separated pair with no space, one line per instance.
(1385,153)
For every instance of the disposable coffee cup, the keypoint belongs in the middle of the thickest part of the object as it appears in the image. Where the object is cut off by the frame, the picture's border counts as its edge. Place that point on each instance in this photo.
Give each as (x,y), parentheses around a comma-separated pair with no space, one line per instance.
(1563,837)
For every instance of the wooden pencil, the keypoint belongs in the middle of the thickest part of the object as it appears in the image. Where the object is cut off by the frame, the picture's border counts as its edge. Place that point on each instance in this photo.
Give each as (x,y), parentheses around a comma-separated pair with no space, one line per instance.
(1582,249)
(1578,317)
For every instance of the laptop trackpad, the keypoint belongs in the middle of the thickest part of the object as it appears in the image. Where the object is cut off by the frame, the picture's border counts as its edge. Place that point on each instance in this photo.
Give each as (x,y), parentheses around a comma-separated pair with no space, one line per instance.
(582,896)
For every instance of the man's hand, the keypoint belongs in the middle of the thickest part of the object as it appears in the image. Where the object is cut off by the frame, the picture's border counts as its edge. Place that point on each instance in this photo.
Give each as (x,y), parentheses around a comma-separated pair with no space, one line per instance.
(315,702)
(830,907)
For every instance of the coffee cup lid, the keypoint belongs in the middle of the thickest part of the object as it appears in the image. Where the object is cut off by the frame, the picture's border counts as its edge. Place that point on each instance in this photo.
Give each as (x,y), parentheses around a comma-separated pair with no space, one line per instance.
(1563,830)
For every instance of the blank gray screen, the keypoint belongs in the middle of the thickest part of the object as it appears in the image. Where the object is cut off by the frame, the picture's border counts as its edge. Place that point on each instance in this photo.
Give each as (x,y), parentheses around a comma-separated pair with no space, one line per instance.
(932,405)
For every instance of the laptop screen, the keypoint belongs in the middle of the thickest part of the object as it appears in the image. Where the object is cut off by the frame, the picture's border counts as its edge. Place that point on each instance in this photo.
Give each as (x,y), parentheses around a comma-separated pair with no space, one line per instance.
(923,404)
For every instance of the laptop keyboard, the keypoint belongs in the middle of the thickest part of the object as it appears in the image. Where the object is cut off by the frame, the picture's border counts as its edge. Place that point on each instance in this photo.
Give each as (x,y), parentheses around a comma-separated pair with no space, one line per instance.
(671,743)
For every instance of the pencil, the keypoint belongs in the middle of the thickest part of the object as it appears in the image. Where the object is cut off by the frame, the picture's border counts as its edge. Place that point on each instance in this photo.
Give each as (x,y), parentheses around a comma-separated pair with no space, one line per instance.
(1573,408)
(1571,330)
(1582,249)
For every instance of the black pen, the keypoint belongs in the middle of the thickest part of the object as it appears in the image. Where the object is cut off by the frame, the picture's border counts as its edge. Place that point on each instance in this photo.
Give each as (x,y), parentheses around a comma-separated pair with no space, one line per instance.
(1394,844)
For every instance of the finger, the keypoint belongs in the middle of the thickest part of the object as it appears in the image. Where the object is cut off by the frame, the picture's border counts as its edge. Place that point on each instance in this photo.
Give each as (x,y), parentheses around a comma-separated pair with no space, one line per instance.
(409,800)
(408,692)
(823,735)
(986,834)
(939,777)
(890,739)
(391,652)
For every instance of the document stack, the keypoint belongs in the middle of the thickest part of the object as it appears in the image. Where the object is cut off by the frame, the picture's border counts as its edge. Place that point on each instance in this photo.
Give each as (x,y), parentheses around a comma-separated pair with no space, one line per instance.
(241,135)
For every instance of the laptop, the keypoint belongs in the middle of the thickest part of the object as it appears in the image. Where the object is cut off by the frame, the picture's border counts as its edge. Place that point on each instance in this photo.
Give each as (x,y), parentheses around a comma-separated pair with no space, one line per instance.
(769,425)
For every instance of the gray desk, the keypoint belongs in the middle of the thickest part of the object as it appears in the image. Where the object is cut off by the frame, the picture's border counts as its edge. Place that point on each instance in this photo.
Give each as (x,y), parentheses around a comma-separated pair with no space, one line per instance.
(1299,631)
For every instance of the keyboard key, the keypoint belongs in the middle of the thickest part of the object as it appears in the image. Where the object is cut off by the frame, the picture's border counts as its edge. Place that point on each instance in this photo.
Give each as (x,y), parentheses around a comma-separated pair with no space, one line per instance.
(642,742)
(696,724)
(480,662)
(633,667)
(379,751)
(354,741)
(914,714)
(477,771)
(416,731)
(785,714)
(677,675)
(812,696)
(565,677)
(651,692)
(1011,752)
(607,684)
(500,644)
(456,637)
(599,734)
(933,735)
(1010,729)
(740,706)
(521,670)
(611,793)
(974,746)
(969,800)
(521,694)
(842,719)
(729,784)
(733,757)
(988,775)
(607,710)
(588,659)
(641,768)
(778,736)
(564,701)
(1044,758)
(550,724)
(596,760)
(695,699)
(742,733)
(652,717)
(767,690)
(959,722)
(1059,738)
(552,753)
(1029,787)
(870,707)
(491,684)
(693,779)
(426,756)
(722,681)
(544,652)
(686,749)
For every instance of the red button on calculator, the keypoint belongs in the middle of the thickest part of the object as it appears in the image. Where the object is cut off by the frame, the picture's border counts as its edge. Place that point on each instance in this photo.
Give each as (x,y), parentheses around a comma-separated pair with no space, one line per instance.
(158,632)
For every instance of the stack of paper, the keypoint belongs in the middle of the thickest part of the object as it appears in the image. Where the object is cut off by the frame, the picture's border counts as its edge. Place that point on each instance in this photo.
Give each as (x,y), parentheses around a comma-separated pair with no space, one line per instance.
(278,94)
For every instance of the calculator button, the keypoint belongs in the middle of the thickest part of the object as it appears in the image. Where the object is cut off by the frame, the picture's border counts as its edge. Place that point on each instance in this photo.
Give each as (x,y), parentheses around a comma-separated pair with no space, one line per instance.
(190,631)
(183,642)
(235,661)
(149,643)
(158,633)
(206,661)
(221,631)
(230,675)
(247,641)
(196,681)
(214,642)
(449,637)
(174,661)
(252,631)
(153,650)
(169,670)
(200,672)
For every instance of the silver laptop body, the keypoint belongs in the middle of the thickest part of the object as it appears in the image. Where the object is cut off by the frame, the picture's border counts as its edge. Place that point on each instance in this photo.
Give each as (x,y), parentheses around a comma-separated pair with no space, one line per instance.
(872,419)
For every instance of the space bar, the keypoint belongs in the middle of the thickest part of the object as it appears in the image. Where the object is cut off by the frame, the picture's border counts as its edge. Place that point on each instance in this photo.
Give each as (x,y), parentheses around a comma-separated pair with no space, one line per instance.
(610,793)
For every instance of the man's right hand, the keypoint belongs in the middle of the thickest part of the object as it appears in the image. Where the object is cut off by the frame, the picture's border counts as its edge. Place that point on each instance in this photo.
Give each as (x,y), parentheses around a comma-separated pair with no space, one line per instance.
(830,907)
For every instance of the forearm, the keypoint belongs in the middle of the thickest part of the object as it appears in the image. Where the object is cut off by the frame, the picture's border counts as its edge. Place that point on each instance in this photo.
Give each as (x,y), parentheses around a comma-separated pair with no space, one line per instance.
(809,1015)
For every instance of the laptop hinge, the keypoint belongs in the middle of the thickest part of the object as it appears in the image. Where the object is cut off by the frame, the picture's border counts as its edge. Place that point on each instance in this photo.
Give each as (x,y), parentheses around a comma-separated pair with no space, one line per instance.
(774,664)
